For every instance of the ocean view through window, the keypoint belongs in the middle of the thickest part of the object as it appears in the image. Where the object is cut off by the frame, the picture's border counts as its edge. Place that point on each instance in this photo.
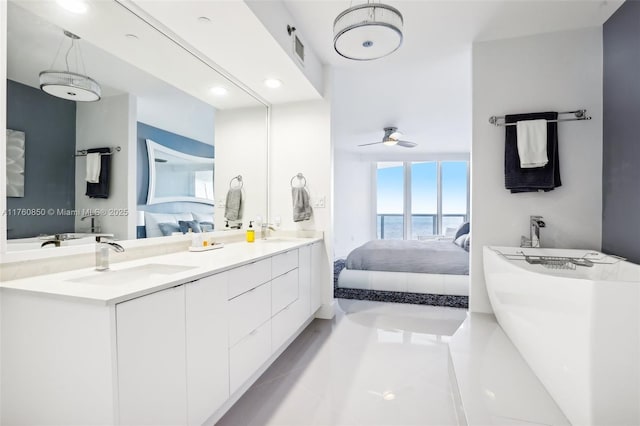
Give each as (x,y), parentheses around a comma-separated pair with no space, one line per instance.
(417,200)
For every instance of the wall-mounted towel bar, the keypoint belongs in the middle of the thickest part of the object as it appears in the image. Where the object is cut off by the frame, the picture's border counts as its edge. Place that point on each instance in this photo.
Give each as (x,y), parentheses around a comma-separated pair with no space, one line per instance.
(580,115)
(238,180)
(83,152)
(301,178)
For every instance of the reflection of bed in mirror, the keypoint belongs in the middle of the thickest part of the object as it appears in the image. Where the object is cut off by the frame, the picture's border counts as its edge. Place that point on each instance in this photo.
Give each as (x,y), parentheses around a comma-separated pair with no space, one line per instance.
(437,266)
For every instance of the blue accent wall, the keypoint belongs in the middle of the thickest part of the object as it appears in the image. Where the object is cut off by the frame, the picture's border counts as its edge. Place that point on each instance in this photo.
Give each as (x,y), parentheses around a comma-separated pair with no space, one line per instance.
(621,133)
(49,124)
(178,143)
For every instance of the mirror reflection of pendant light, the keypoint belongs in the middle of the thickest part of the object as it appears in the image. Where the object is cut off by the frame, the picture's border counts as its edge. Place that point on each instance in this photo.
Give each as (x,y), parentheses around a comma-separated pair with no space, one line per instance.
(367,31)
(67,84)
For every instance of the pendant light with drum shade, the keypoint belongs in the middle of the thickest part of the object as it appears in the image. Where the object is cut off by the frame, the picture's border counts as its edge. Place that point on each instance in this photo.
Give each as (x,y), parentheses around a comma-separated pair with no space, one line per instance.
(368,31)
(70,85)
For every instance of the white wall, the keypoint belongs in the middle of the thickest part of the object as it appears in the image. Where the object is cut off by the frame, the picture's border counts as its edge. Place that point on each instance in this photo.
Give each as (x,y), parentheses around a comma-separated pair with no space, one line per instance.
(354,186)
(241,149)
(301,143)
(108,123)
(550,72)
(182,115)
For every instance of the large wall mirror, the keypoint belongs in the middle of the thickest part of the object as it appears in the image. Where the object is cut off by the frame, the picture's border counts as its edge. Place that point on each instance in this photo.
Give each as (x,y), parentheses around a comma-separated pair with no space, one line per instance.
(86,166)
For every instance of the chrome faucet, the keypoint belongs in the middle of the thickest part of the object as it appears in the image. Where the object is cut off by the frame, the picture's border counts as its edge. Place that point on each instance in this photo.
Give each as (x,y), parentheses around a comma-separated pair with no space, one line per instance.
(102,252)
(535,223)
(263,229)
(95,222)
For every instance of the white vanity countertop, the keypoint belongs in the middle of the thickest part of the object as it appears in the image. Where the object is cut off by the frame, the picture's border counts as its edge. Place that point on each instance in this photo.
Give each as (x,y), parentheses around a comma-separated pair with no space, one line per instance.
(76,285)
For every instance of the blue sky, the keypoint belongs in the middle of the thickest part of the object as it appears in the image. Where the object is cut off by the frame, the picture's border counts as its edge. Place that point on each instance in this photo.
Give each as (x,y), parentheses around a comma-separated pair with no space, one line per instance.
(423,188)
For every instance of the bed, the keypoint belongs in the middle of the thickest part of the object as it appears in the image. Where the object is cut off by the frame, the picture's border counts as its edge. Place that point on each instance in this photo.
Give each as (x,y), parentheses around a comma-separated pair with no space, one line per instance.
(438,266)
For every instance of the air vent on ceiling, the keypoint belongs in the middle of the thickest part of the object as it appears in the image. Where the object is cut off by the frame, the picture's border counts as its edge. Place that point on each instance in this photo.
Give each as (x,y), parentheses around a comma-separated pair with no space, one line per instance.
(298,46)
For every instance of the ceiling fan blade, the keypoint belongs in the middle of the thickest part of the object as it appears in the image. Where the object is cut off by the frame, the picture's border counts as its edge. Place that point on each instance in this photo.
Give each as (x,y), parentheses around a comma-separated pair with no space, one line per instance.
(407,144)
(372,143)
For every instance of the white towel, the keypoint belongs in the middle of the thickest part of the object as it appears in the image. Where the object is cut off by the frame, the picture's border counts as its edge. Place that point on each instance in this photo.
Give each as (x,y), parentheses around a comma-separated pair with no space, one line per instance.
(93,167)
(532,143)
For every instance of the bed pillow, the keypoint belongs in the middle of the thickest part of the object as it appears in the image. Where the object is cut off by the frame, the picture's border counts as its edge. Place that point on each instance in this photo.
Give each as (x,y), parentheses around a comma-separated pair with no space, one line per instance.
(462,229)
(168,228)
(467,242)
(153,219)
(206,226)
(460,241)
(203,217)
(185,225)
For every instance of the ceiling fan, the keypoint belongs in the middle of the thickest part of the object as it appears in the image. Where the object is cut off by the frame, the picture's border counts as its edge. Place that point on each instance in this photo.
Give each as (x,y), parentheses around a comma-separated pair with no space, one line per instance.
(392,137)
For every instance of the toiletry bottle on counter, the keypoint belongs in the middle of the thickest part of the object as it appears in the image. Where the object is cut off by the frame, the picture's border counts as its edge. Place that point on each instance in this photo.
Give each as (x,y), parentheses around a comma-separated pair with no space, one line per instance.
(196,239)
(251,233)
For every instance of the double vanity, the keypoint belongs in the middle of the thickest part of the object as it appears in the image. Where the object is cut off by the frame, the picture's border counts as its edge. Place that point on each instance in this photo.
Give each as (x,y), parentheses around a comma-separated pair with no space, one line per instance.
(171,339)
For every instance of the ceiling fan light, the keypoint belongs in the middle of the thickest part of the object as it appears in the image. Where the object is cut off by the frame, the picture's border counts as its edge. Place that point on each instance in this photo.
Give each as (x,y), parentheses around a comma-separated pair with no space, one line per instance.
(395,136)
(368,31)
(390,142)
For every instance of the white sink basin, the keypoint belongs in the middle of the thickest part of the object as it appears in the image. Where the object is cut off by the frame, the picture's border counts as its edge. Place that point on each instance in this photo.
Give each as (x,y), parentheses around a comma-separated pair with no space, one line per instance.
(124,276)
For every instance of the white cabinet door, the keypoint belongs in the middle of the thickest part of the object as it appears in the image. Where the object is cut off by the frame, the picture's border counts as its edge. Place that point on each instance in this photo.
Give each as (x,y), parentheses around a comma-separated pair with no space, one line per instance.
(207,349)
(248,355)
(304,275)
(152,382)
(248,311)
(283,263)
(317,266)
(284,290)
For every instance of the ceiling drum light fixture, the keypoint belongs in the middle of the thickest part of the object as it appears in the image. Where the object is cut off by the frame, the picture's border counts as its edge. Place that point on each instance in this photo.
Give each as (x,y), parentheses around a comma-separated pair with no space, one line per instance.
(70,85)
(368,31)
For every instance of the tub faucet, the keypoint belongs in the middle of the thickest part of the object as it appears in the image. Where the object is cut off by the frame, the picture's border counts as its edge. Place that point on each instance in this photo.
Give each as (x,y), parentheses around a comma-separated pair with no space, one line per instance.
(535,223)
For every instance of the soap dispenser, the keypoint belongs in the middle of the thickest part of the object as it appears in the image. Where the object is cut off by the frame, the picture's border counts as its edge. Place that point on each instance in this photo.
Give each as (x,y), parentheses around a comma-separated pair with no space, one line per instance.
(251,233)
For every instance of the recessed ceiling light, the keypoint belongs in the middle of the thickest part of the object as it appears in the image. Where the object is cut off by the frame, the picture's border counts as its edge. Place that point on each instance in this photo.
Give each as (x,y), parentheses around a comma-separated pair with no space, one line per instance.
(131,36)
(272,83)
(219,90)
(74,6)
(388,396)
(204,20)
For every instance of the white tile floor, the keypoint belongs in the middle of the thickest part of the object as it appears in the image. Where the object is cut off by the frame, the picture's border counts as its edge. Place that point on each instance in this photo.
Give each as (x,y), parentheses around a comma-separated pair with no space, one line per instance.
(373,364)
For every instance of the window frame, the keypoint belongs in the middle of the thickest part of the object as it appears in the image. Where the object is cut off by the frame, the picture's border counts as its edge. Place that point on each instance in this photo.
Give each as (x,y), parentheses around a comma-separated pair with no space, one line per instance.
(406,165)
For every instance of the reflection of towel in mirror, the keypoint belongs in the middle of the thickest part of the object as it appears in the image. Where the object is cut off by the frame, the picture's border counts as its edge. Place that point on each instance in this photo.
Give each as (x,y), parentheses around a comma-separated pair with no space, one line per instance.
(93,167)
(301,204)
(233,207)
(100,189)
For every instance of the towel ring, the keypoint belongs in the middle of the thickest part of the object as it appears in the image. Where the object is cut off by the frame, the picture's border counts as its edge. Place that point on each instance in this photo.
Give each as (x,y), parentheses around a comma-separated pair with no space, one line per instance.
(300,177)
(236,178)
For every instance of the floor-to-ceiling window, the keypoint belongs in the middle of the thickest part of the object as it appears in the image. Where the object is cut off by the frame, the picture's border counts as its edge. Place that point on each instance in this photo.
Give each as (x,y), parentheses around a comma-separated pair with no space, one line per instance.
(416,200)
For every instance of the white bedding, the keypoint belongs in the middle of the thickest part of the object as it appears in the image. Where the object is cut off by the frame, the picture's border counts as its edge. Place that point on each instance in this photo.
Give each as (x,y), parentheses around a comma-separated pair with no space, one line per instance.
(454,285)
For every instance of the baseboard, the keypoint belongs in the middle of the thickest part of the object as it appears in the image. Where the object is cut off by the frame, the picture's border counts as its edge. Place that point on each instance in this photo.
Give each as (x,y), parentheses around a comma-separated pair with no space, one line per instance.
(326,310)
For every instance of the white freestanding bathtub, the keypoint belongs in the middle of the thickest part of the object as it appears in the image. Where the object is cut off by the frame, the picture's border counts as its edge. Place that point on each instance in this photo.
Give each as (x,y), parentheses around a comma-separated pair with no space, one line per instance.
(579,330)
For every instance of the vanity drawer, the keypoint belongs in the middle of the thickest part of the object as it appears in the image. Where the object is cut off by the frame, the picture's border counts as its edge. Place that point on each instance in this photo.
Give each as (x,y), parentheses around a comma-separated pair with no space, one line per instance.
(284,290)
(284,262)
(284,324)
(248,311)
(248,355)
(249,276)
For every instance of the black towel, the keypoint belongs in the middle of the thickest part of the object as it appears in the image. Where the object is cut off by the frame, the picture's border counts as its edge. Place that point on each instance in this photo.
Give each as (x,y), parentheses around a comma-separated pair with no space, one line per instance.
(535,179)
(101,189)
